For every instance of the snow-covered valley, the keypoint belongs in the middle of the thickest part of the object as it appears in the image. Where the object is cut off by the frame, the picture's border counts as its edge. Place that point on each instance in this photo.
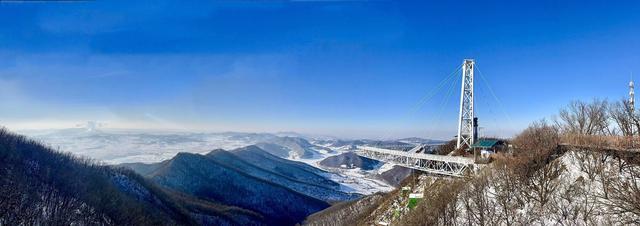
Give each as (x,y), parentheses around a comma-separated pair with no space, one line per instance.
(130,146)
(352,180)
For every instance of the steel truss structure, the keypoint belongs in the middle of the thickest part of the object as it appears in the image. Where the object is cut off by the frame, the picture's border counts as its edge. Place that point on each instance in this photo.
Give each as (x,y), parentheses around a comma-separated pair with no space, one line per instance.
(465,119)
(437,164)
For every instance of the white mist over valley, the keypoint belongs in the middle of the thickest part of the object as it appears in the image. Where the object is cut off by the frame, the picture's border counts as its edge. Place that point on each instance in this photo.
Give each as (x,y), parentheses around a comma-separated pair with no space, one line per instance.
(121,146)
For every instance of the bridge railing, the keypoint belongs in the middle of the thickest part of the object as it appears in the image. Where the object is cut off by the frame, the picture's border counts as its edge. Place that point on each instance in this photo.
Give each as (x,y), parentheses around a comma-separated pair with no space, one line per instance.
(617,142)
(443,158)
(436,164)
(395,146)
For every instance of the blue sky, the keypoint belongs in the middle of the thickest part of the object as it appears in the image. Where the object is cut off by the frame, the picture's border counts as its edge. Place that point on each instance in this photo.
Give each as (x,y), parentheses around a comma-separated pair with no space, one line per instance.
(343,68)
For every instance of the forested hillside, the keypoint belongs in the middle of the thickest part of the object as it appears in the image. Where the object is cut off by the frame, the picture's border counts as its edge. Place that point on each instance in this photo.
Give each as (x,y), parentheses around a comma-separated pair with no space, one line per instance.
(40,186)
(235,183)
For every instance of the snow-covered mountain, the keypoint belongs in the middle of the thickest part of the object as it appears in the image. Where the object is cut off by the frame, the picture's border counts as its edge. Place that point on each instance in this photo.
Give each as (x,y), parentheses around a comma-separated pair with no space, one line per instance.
(350,160)
(224,178)
(418,140)
(347,145)
(136,146)
(293,147)
(350,164)
(260,165)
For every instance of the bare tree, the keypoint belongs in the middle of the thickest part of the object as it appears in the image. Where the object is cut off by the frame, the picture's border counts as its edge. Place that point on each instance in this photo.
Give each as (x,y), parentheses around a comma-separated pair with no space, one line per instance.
(544,182)
(585,118)
(624,195)
(537,139)
(506,189)
(624,117)
(479,207)
(446,148)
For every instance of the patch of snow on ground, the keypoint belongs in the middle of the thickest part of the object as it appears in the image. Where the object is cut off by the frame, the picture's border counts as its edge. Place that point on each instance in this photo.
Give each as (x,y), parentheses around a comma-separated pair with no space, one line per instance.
(386,167)
(351,180)
(359,181)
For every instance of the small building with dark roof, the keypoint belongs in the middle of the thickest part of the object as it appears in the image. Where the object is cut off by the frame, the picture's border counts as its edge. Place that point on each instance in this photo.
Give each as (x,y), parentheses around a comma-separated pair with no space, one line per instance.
(486,147)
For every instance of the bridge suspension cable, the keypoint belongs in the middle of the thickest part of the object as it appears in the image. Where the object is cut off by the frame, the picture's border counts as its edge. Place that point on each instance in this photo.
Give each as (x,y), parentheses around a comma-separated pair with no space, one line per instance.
(445,101)
(438,164)
(495,97)
(426,98)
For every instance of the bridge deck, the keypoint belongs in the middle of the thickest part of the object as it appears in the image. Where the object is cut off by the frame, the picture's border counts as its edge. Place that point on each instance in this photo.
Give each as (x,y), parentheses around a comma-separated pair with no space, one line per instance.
(437,164)
(444,158)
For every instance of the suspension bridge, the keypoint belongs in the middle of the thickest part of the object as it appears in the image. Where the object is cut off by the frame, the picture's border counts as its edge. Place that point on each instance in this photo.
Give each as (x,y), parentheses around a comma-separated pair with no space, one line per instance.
(416,158)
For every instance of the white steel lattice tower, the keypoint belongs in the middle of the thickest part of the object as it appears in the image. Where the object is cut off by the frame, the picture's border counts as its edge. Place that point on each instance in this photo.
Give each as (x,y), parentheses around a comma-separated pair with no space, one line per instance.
(632,99)
(465,121)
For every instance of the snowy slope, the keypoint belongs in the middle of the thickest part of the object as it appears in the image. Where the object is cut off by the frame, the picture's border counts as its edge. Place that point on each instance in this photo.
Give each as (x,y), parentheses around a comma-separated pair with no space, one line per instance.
(208,179)
(351,180)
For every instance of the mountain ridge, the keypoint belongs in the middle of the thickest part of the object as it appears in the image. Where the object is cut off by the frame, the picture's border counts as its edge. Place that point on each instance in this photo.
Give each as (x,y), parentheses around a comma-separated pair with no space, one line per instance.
(204,178)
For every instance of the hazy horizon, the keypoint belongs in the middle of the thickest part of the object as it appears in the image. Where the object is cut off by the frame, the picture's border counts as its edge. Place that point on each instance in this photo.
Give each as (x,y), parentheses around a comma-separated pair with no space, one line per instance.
(104,128)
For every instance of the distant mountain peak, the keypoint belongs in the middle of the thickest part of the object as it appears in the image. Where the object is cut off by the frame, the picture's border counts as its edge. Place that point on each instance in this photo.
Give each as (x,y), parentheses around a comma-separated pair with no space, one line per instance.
(217,150)
(91,126)
(251,148)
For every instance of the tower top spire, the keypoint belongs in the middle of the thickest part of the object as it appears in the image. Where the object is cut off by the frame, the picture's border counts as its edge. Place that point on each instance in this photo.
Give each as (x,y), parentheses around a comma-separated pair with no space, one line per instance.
(632,99)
